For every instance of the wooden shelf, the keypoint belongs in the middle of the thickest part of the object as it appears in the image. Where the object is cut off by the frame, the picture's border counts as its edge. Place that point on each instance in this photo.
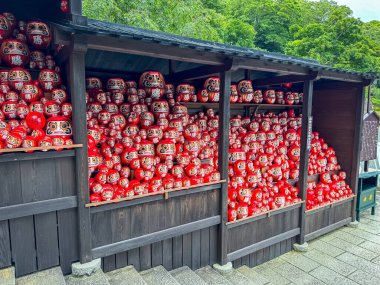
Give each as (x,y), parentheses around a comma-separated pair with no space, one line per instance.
(159,195)
(40,148)
(260,216)
(329,205)
(22,156)
(198,105)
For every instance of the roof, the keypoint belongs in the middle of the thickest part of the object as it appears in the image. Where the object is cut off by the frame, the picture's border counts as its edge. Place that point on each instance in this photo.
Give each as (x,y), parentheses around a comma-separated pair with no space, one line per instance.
(96,27)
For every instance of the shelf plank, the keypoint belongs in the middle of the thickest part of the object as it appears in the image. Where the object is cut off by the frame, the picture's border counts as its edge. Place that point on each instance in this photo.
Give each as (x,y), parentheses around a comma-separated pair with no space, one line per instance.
(40,148)
(260,216)
(22,156)
(145,198)
(199,105)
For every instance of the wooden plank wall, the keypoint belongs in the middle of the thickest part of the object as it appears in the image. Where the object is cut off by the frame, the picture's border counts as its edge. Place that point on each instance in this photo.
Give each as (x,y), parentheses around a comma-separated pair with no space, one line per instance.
(196,249)
(36,242)
(129,222)
(245,235)
(266,254)
(22,183)
(334,117)
(327,216)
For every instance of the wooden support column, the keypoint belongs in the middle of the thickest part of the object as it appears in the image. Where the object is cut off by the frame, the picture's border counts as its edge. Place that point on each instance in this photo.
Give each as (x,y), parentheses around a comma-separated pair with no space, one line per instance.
(75,12)
(357,145)
(78,89)
(307,127)
(224,124)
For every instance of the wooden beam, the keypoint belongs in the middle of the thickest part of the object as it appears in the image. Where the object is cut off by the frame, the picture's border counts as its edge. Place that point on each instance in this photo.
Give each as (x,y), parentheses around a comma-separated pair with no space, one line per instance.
(284,79)
(153,49)
(327,229)
(307,128)
(35,208)
(76,75)
(224,124)
(262,244)
(139,241)
(333,75)
(20,156)
(200,72)
(268,66)
(358,137)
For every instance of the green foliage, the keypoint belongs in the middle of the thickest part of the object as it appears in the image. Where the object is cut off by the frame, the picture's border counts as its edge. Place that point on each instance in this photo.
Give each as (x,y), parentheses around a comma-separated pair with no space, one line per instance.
(320,30)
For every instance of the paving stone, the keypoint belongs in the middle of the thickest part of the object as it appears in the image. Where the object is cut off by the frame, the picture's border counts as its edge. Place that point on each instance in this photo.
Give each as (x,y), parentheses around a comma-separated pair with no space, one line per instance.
(273,277)
(360,263)
(158,275)
(237,278)
(327,237)
(376,260)
(97,278)
(349,237)
(365,220)
(7,276)
(212,277)
(373,218)
(371,246)
(325,248)
(52,276)
(366,235)
(185,276)
(302,262)
(296,276)
(125,276)
(331,262)
(272,263)
(254,274)
(363,278)
(329,276)
(369,228)
(369,222)
(354,249)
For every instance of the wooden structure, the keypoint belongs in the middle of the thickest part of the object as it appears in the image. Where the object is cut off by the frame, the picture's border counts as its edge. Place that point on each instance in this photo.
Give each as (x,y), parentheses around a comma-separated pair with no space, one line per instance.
(46,191)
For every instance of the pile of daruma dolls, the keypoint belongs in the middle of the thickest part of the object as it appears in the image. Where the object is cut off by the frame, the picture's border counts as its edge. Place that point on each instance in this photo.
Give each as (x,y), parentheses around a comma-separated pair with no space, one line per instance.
(242,92)
(141,141)
(32,112)
(331,185)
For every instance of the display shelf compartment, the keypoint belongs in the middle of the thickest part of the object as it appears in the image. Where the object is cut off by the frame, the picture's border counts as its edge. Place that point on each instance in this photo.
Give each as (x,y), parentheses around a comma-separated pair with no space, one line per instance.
(268,214)
(150,197)
(330,205)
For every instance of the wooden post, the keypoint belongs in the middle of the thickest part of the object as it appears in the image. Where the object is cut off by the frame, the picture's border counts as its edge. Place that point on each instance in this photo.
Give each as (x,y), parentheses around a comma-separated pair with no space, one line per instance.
(75,12)
(358,136)
(224,124)
(78,90)
(307,127)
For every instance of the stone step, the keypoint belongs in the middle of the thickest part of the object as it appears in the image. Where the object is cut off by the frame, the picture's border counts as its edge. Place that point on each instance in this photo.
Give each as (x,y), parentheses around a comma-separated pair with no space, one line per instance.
(236,278)
(125,276)
(52,276)
(211,276)
(7,276)
(97,278)
(253,275)
(158,275)
(185,276)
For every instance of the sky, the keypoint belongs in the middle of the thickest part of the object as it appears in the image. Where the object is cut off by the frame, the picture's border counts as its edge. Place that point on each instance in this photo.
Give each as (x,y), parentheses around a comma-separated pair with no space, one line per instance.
(366,10)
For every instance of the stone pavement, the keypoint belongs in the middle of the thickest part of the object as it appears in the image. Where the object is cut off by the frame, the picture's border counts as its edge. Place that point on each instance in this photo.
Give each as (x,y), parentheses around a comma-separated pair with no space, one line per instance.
(345,256)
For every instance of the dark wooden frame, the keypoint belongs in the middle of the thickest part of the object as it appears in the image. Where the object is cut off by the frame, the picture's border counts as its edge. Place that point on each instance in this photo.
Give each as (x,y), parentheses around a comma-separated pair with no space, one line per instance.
(183,235)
